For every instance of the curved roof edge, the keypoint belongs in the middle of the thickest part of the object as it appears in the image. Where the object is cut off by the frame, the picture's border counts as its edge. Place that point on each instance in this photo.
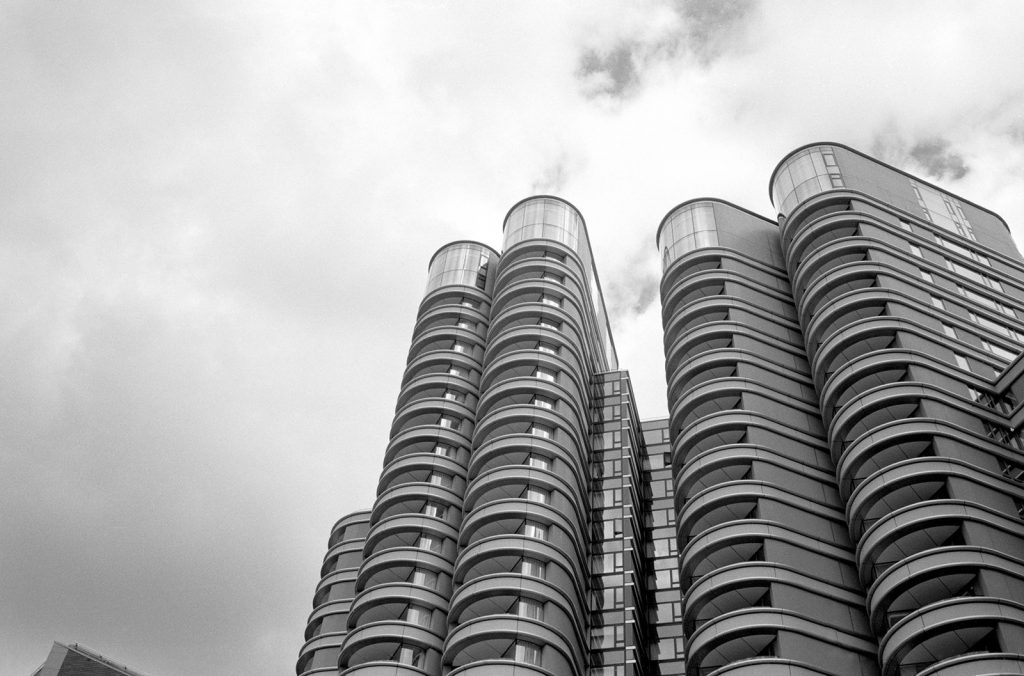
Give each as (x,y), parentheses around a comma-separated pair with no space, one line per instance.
(461,241)
(771,179)
(579,213)
(727,203)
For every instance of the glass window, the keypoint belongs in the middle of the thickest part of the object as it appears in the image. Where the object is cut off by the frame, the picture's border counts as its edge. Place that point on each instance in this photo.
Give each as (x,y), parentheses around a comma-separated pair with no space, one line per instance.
(453,395)
(536,495)
(444,450)
(998,350)
(552,277)
(417,615)
(550,325)
(542,431)
(527,653)
(961,361)
(429,543)
(530,608)
(916,250)
(949,330)
(937,302)
(460,347)
(424,578)
(532,568)
(551,300)
(440,479)
(408,654)
(547,349)
(470,303)
(454,370)
(688,228)
(537,531)
(450,423)
(538,461)
(463,324)
(435,509)
(544,374)
(905,225)
(543,402)
(927,276)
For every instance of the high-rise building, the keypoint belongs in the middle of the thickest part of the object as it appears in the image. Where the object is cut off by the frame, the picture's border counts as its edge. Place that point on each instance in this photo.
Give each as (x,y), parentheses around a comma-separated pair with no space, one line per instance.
(77,660)
(837,488)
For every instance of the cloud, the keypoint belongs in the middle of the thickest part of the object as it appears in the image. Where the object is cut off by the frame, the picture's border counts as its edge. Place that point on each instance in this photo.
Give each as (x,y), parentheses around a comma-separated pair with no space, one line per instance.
(613,73)
(936,158)
(713,27)
(633,288)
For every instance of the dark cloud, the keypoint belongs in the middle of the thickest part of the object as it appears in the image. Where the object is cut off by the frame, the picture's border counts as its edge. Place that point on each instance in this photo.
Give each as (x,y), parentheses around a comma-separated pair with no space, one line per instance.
(712,27)
(938,160)
(612,74)
(632,291)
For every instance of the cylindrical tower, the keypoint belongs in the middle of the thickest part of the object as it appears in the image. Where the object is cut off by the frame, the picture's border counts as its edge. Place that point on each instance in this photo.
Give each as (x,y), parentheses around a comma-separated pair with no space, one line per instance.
(910,300)
(399,619)
(521,575)
(328,623)
(767,568)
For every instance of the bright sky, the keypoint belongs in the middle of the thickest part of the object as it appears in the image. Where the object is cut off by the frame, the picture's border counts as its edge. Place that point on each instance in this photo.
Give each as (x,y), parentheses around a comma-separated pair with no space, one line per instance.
(215,221)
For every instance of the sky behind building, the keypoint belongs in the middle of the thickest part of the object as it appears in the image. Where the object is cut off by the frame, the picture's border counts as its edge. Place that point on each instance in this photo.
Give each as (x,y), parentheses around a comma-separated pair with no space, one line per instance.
(202,203)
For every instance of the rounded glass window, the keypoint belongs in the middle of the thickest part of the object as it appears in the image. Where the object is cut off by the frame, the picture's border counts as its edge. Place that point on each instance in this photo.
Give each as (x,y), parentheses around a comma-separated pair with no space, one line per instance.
(463,263)
(690,227)
(543,218)
(807,173)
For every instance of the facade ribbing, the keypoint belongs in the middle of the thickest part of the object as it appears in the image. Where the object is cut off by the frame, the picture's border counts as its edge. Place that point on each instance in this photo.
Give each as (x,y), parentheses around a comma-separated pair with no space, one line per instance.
(837,488)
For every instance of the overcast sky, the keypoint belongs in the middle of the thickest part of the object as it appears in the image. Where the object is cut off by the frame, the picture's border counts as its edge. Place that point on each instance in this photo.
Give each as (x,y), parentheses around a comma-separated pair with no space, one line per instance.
(215,221)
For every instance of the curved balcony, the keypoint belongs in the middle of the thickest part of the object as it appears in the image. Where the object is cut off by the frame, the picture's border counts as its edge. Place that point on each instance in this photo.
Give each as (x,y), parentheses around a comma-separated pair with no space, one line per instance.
(948,629)
(978,663)
(770,666)
(744,634)
(483,640)
(932,576)
(917,528)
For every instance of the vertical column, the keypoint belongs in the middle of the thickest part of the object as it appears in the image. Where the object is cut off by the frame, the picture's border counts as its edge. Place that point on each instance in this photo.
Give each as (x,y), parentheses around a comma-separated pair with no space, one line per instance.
(328,623)
(911,302)
(399,618)
(521,598)
(767,564)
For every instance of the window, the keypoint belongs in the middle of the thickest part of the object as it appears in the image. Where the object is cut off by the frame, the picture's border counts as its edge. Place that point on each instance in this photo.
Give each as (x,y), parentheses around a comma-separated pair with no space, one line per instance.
(905,225)
(985,301)
(435,509)
(994,326)
(552,277)
(424,578)
(551,300)
(541,431)
(545,374)
(454,370)
(999,350)
(527,653)
(409,654)
(949,331)
(463,324)
(538,461)
(532,568)
(543,402)
(537,531)
(961,361)
(429,543)
(547,349)
(963,251)
(537,495)
(460,347)
(449,422)
(973,275)
(530,608)
(937,302)
(916,250)
(440,479)
(927,276)
(550,325)
(418,615)
(467,302)
(444,450)
(452,395)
